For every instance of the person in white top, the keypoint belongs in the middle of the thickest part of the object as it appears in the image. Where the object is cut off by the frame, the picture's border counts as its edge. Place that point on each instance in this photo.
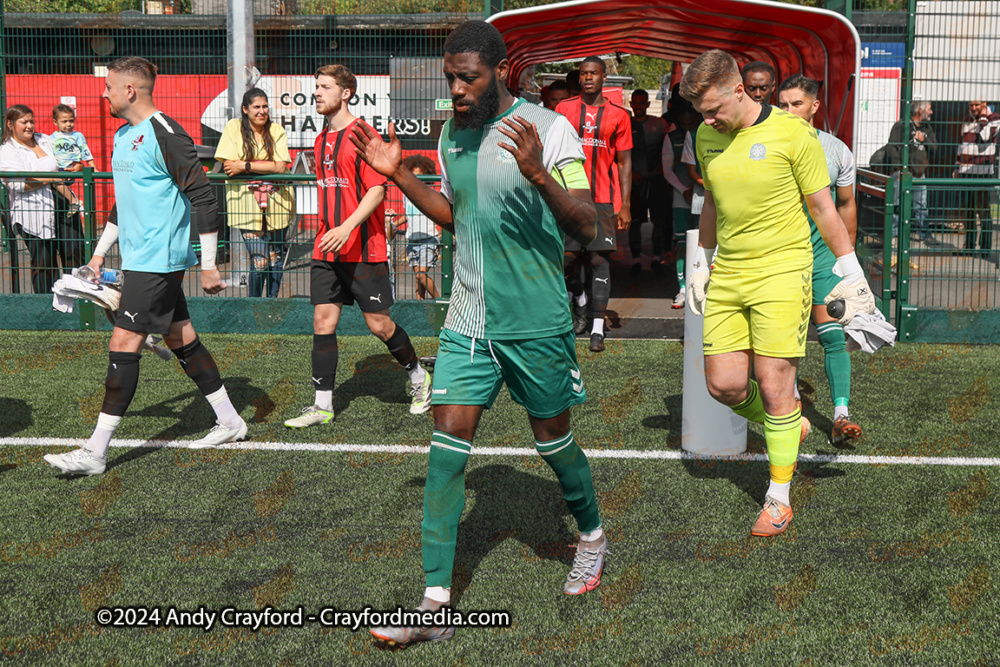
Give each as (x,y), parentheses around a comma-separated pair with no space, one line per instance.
(32,205)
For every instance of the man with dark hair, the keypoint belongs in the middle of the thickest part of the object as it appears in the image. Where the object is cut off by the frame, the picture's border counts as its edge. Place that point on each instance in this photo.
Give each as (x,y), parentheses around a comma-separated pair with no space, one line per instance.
(557,92)
(977,156)
(350,259)
(160,187)
(650,193)
(573,82)
(798,95)
(758,80)
(606,131)
(512,184)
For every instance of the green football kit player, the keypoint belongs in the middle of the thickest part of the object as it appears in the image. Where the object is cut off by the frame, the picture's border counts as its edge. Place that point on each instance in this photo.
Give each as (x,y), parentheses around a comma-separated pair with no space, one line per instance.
(798,95)
(512,185)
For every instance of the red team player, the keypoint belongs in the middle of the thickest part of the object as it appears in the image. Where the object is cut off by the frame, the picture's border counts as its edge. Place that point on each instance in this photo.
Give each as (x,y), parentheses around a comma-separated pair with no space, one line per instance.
(349,260)
(606,131)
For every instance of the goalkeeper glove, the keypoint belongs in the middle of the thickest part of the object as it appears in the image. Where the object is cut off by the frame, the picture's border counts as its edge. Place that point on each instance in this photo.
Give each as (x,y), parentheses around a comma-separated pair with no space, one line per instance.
(853,289)
(698,284)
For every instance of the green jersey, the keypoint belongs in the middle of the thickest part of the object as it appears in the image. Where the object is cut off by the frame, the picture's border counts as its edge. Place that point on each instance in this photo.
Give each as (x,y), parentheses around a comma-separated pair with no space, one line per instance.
(509,281)
(840,164)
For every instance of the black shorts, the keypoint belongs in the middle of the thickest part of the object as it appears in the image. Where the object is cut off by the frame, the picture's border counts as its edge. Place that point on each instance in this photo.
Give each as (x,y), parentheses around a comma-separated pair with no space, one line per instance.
(151,302)
(346,282)
(607,231)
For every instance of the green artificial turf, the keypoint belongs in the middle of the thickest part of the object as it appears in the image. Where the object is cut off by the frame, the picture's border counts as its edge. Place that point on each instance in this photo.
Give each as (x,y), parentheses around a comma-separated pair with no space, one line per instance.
(892,565)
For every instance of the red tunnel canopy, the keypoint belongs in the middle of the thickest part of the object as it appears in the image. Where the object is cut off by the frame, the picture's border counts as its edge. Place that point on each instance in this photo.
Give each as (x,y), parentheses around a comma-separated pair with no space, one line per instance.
(818,43)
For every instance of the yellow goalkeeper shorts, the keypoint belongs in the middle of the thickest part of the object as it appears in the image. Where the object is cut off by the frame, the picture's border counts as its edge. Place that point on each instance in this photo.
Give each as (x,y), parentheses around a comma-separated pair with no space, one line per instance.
(764,312)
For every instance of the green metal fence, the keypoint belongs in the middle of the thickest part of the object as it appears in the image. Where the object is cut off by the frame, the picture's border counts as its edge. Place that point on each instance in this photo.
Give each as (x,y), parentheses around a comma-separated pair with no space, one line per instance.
(25,270)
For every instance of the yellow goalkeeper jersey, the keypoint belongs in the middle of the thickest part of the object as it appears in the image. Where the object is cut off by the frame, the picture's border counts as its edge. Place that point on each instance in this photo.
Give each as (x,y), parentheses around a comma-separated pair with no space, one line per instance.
(757,177)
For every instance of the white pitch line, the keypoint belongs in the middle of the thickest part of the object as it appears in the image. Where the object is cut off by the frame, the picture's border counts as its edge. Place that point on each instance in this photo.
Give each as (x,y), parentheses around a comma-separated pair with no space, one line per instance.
(632,454)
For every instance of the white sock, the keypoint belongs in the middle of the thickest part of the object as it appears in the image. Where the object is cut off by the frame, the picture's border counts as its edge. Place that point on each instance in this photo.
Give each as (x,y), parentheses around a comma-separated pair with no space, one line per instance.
(417,376)
(598,326)
(779,492)
(224,410)
(582,300)
(798,396)
(839,411)
(324,399)
(595,534)
(101,438)
(438,594)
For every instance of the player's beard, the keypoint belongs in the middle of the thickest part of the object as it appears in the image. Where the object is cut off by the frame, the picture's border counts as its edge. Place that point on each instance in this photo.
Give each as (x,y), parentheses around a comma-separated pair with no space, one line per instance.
(481,111)
(331,109)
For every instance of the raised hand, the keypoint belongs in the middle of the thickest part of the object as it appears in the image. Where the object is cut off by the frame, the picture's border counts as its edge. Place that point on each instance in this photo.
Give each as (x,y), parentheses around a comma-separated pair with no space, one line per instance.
(383,157)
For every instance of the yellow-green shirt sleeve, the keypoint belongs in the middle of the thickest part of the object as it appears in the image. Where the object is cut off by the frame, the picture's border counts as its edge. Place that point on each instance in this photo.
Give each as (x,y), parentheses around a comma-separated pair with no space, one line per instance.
(809,161)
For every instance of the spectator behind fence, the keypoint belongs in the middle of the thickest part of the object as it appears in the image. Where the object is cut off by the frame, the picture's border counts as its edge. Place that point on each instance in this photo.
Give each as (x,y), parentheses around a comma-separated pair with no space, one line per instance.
(976,155)
(69,146)
(32,205)
(72,154)
(923,143)
(252,144)
(421,233)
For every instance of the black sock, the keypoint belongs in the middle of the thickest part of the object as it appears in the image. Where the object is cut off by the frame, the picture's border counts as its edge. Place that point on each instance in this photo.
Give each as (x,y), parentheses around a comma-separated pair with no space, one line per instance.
(571,268)
(601,284)
(121,382)
(199,365)
(325,354)
(401,349)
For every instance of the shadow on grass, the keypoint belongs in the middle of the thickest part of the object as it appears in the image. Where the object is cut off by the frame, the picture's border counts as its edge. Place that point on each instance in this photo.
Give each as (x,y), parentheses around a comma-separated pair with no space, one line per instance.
(379,376)
(16,416)
(193,414)
(508,503)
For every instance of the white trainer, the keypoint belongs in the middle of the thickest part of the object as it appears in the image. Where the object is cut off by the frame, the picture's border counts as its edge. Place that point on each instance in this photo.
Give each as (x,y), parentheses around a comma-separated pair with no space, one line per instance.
(421,396)
(678,300)
(76,462)
(310,416)
(220,435)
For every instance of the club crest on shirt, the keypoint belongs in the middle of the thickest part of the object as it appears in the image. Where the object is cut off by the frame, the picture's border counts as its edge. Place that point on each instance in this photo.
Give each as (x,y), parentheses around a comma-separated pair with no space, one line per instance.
(758,152)
(137,142)
(504,156)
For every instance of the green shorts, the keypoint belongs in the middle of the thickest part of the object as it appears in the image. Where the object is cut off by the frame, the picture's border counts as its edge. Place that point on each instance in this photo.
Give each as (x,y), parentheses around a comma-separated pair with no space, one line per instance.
(541,373)
(824,279)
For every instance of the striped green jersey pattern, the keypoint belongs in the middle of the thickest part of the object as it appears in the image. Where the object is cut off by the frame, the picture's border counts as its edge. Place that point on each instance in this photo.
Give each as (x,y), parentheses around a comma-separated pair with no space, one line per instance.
(509,250)
(838,161)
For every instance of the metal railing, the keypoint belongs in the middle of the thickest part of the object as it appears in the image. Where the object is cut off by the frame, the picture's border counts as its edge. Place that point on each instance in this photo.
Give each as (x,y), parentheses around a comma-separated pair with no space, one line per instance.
(233,259)
(936,236)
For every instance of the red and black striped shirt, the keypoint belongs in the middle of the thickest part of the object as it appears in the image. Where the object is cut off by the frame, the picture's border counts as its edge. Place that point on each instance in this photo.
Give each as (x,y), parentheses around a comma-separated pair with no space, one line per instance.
(605,130)
(343,179)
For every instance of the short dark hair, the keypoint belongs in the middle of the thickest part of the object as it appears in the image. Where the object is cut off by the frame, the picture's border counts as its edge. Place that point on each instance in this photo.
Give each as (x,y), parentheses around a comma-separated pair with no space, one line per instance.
(62,108)
(758,66)
(640,91)
(421,162)
(805,84)
(594,59)
(557,85)
(477,37)
(137,67)
(573,80)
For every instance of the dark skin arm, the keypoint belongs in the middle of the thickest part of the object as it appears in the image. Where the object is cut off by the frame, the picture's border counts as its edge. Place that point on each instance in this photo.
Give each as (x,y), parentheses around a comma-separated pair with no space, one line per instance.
(574,210)
(387,159)
(624,160)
